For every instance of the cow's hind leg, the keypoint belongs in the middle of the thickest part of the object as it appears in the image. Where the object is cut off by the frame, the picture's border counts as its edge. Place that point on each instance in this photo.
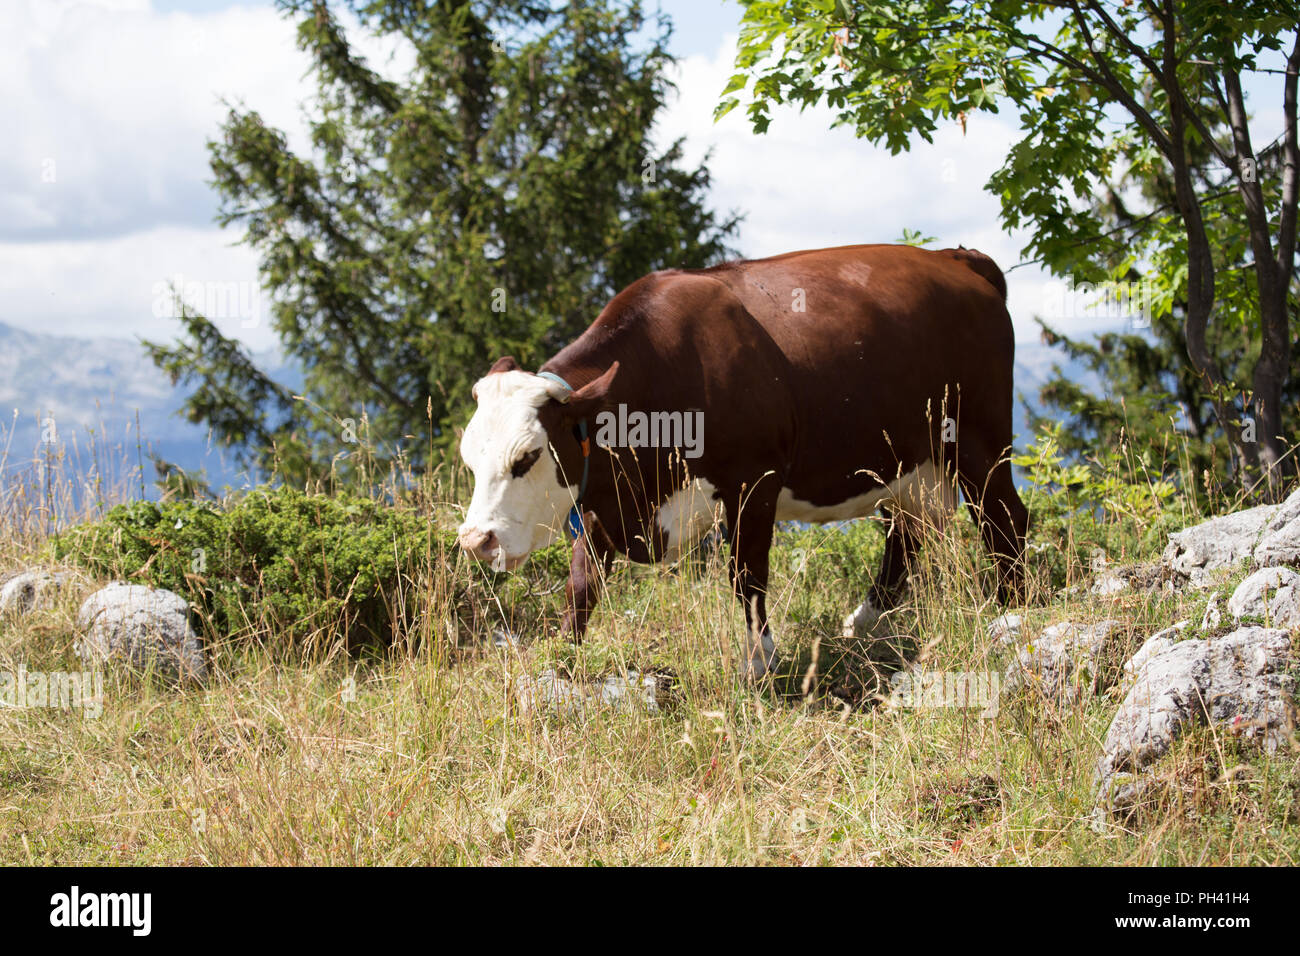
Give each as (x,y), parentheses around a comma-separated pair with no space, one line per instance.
(1001,515)
(901,544)
(751,520)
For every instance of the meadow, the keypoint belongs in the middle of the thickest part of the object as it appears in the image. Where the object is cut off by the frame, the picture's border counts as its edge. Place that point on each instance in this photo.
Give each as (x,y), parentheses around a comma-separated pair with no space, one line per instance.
(358,709)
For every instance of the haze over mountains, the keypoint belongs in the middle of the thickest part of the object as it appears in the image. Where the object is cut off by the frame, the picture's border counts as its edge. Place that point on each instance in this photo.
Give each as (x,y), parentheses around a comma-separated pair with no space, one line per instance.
(85,393)
(93,388)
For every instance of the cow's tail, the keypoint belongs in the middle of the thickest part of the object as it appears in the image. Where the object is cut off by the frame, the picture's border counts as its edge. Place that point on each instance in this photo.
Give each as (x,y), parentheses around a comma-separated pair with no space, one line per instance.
(982,264)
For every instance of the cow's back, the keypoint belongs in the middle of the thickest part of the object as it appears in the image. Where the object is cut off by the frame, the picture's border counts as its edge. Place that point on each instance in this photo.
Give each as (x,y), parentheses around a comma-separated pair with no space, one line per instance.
(883,343)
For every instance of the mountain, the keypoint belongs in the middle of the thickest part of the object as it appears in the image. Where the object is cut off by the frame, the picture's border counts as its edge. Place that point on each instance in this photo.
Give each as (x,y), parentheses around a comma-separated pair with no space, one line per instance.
(85,394)
(93,388)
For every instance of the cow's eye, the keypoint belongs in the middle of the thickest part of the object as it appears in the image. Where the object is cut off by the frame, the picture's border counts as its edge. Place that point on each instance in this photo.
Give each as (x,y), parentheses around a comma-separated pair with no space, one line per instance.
(520,467)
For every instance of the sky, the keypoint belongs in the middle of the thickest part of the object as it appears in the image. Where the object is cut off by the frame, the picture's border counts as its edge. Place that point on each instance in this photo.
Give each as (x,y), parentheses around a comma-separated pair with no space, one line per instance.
(104,194)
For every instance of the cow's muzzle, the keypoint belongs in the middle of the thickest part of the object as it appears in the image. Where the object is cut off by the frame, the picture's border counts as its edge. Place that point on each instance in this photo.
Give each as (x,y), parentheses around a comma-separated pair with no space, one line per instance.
(481,544)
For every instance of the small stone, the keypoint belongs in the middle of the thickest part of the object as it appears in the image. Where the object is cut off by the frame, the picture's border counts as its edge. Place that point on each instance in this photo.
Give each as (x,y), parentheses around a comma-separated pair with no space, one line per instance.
(1271,595)
(1213,616)
(1108,583)
(144,628)
(29,590)
(1005,629)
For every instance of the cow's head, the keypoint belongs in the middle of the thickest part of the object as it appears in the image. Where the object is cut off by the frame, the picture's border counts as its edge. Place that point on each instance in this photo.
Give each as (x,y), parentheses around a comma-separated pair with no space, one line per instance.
(522,423)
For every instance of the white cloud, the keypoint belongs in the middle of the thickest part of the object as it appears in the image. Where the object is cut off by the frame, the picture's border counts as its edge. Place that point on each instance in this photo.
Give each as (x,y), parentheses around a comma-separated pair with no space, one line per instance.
(123,98)
(109,105)
(805,185)
(112,286)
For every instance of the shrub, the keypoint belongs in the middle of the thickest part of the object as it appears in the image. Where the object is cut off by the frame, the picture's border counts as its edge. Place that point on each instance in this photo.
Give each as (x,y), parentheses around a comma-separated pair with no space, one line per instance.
(279,561)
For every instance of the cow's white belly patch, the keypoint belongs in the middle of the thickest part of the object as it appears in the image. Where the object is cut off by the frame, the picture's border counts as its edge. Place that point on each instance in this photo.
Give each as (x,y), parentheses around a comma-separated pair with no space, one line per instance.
(685,516)
(922,493)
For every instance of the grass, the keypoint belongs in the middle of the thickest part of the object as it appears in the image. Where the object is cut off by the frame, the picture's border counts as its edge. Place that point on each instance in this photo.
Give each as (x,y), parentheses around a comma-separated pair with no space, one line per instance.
(415,753)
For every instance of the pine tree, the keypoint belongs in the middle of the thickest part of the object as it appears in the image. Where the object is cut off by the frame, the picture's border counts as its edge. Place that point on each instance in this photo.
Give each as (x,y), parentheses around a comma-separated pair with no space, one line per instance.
(489,202)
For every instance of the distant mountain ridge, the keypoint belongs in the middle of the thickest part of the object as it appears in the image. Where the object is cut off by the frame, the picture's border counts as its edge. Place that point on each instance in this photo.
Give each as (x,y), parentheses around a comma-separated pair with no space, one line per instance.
(84,390)
(101,383)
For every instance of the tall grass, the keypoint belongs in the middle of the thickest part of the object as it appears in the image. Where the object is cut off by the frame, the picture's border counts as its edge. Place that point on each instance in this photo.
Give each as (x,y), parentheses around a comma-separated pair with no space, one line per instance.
(415,752)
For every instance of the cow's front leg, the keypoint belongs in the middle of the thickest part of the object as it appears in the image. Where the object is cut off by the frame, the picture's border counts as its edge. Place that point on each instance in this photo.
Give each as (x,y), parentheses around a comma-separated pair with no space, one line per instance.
(593,555)
(751,519)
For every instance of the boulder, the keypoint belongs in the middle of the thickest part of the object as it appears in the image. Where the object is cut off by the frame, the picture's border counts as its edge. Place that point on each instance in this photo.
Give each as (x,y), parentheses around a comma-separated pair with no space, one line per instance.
(1271,595)
(1280,542)
(1267,535)
(1063,658)
(1240,680)
(1216,544)
(28,590)
(1155,644)
(146,629)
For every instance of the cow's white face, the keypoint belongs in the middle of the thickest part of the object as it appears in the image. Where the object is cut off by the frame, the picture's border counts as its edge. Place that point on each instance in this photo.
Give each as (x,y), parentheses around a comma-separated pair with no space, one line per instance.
(519,505)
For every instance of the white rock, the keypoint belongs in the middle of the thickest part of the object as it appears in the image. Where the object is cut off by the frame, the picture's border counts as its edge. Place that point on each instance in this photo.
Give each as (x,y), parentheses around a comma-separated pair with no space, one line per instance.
(1108,583)
(1056,662)
(1155,644)
(1216,544)
(1005,629)
(29,590)
(1213,616)
(1240,680)
(1271,595)
(142,627)
(1280,543)
(1267,535)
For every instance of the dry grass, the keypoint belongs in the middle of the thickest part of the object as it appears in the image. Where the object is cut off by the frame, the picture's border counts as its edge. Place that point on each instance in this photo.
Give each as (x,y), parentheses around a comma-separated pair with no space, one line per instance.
(275,763)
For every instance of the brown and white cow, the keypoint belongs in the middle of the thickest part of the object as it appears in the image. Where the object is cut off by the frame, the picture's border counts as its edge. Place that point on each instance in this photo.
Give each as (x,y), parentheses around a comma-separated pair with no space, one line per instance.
(831,382)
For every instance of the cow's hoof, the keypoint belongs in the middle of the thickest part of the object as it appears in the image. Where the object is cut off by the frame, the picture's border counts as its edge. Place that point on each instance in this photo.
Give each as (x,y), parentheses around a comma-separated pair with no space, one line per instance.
(760,659)
(862,622)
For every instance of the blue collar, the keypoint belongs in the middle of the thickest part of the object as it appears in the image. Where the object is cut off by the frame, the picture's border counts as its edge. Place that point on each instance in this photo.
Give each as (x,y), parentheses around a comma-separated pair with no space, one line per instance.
(580,433)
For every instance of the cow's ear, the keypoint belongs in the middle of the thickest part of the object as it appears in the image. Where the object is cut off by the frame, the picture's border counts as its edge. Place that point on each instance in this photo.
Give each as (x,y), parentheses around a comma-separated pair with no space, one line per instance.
(592,397)
(505,364)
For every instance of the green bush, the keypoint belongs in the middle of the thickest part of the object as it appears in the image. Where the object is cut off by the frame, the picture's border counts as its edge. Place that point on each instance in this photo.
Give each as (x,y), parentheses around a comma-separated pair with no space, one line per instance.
(277,557)
(278,562)
(1114,503)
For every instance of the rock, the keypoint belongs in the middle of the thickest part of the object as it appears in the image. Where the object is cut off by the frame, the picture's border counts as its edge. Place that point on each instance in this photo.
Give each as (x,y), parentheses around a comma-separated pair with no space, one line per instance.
(29,590)
(1054,663)
(1108,582)
(569,698)
(1271,595)
(1267,535)
(1005,629)
(1240,680)
(1155,644)
(504,637)
(144,628)
(1216,544)
(1114,579)
(1280,543)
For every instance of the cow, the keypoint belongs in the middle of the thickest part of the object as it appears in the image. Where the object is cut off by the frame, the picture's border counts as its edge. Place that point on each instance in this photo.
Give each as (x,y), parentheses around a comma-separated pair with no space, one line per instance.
(828,384)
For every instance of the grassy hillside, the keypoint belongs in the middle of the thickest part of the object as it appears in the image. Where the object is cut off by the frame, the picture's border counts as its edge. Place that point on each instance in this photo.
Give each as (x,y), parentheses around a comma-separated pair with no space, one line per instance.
(411,749)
